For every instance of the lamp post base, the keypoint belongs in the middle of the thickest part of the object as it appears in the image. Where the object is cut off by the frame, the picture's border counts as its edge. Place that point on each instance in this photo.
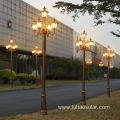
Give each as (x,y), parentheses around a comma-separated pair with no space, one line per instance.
(83,97)
(11,86)
(43,112)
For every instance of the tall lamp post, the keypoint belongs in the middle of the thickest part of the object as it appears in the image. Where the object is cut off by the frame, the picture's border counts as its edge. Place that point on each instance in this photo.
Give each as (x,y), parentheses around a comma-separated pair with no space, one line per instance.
(111,67)
(36,52)
(101,66)
(11,47)
(109,54)
(83,44)
(44,28)
(88,62)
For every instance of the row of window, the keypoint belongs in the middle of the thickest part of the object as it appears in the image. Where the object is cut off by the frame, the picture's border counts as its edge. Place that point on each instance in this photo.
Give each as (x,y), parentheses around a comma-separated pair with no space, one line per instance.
(18,4)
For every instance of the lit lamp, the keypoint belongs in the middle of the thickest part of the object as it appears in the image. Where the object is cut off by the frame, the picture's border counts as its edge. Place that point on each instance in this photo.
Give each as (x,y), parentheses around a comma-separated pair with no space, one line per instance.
(44,28)
(83,44)
(88,62)
(36,52)
(11,47)
(111,67)
(109,54)
(101,64)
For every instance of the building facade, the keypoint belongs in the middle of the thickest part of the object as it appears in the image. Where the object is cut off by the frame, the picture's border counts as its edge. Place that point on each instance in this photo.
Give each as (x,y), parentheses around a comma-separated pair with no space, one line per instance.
(16,18)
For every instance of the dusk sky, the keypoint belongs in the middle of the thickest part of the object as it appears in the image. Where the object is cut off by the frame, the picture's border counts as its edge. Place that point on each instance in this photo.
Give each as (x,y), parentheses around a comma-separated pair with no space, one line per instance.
(100,34)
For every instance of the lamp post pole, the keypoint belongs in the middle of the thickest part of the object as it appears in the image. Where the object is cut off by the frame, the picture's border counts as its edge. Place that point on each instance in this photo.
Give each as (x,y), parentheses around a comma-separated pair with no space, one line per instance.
(83,80)
(88,70)
(108,83)
(43,96)
(36,70)
(89,62)
(11,68)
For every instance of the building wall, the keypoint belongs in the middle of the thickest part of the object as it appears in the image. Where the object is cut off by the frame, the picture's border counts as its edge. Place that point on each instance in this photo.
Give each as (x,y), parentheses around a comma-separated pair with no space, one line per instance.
(99,54)
(22,15)
(76,54)
(62,44)
(115,61)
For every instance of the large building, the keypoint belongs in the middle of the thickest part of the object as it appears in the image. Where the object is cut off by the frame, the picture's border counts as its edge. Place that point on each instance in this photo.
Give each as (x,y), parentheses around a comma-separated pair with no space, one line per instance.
(21,15)
(16,18)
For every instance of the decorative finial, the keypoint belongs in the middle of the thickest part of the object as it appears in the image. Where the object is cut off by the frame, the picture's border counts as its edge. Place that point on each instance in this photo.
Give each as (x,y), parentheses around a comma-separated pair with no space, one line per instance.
(44,8)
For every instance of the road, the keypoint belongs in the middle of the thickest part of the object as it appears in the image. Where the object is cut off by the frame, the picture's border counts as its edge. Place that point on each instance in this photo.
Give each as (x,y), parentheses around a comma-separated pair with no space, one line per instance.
(28,101)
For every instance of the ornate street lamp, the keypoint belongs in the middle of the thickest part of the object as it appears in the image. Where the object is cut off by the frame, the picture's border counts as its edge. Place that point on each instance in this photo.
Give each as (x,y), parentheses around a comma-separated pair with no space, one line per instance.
(88,62)
(109,54)
(36,52)
(111,67)
(44,28)
(11,47)
(101,66)
(83,44)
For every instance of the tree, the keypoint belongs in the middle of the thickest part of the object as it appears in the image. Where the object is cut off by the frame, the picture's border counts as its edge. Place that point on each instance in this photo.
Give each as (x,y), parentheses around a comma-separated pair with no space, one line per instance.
(97,8)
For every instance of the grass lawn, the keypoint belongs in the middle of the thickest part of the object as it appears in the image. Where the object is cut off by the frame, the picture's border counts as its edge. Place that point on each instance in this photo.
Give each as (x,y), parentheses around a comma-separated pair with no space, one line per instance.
(4,87)
(107,114)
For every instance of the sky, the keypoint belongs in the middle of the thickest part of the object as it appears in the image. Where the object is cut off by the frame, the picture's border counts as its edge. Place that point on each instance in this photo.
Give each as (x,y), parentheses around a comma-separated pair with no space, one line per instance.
(100,34)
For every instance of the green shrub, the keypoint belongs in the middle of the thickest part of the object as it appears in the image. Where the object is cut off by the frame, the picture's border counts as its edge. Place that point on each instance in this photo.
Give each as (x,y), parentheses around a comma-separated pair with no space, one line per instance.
(26,78)
(5,75)
(32,78)
(22,77)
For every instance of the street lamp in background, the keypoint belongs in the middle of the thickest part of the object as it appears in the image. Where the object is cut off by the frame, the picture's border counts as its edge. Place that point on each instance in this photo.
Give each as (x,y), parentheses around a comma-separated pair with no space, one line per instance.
(44,27)
(36,52)
(101,66)
(111,67)
(83,44)
(11,47)
(109,54)
(88,62)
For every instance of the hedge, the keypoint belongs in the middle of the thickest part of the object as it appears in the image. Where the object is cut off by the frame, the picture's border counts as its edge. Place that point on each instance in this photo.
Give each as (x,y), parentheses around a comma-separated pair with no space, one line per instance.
(26,78)
(5,75)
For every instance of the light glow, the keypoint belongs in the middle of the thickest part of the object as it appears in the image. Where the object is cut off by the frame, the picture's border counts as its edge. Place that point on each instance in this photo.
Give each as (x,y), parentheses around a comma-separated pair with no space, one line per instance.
(100,64)
(89,61)
(11,46)
(49,28)
(39,25)
(36,51)
(34,27)
(84,35)
(109,53)
(44,13)
(54,25)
